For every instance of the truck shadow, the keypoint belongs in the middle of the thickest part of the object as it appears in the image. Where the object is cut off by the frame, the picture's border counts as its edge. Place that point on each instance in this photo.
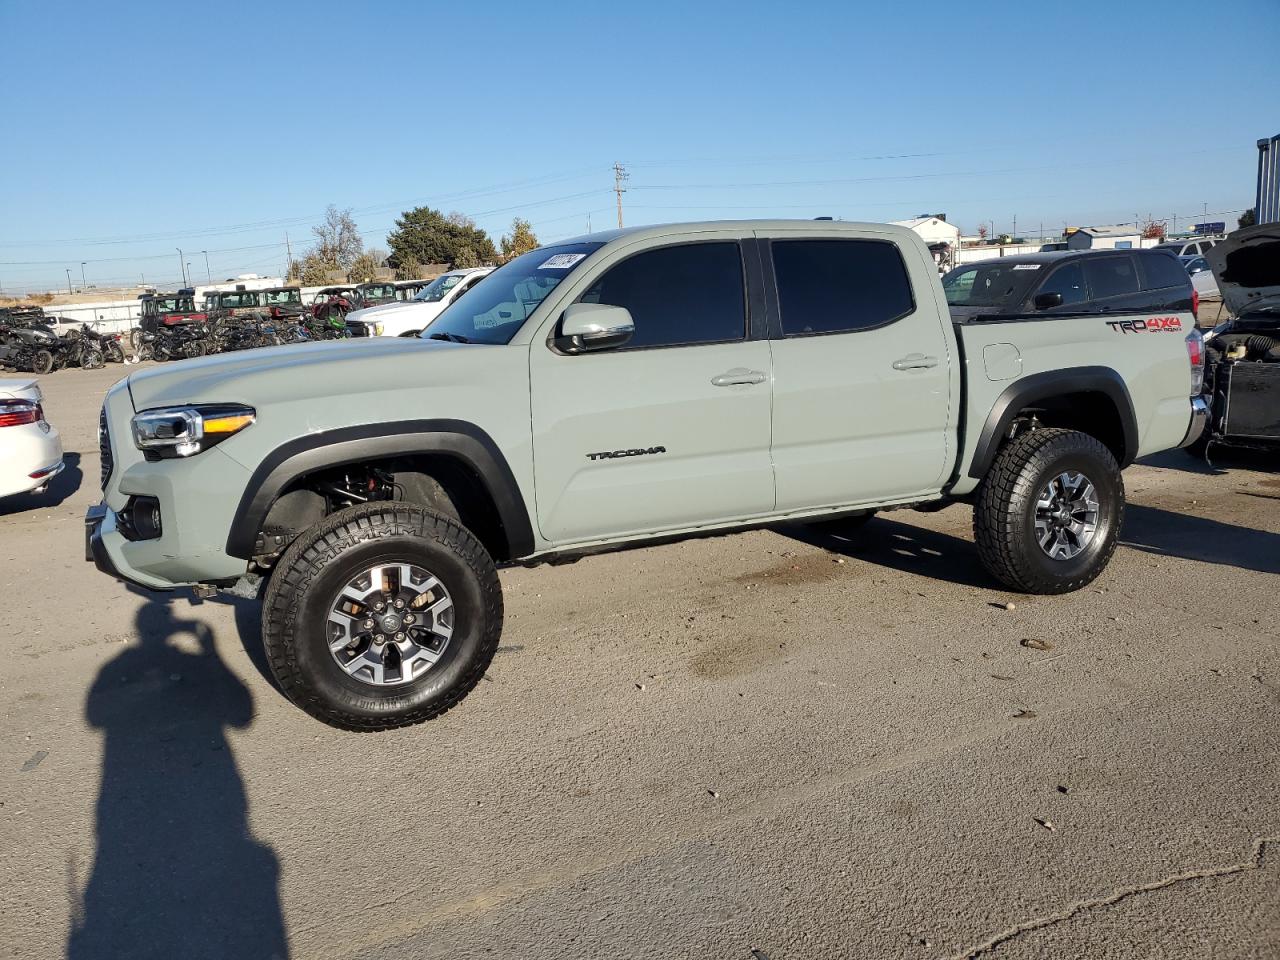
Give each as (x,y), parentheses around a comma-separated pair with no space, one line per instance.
(901,546)
(62,487)
(1190,537)
(176,871)
(941,556)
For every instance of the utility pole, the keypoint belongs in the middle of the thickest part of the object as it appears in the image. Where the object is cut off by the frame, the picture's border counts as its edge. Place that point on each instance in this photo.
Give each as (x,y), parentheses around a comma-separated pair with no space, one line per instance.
(288,253)
(207,272)
(69,290)
(1015,226)
(182,265)
(83,282)
(1174,231)
(619,175)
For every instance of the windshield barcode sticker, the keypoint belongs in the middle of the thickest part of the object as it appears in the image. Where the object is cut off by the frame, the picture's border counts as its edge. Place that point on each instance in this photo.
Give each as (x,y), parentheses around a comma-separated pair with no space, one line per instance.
(1026,266)
(561,261)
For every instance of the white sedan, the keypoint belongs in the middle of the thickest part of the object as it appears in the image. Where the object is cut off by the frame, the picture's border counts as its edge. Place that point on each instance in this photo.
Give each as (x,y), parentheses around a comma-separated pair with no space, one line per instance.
(409,318)
(30,447)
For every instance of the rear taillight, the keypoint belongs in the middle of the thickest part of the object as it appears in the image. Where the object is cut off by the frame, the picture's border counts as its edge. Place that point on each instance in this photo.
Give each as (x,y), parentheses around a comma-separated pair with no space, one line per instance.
(18,413)
(1195,355)
(1195,303)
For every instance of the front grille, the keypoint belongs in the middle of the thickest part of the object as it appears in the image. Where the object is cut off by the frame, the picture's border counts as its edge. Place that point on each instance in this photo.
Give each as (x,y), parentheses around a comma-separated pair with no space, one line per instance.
(104,446)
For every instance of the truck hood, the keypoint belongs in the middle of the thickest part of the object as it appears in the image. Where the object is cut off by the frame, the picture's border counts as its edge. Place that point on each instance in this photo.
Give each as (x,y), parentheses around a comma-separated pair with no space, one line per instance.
(408,308)
(1247,267)
(322,369)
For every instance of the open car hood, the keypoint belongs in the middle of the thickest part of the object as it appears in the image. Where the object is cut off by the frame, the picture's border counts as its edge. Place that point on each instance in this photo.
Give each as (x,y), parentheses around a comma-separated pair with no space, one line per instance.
(1247,268)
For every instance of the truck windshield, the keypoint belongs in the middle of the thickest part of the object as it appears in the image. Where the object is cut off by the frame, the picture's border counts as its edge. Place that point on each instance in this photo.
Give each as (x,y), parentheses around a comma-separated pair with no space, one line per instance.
(434,291)
(493,311)
(989,284)
(283,296)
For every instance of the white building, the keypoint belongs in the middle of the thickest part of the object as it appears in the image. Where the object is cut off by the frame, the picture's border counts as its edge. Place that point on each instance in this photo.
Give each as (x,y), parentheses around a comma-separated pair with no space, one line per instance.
(1119,237)
(942,238)
(933,229)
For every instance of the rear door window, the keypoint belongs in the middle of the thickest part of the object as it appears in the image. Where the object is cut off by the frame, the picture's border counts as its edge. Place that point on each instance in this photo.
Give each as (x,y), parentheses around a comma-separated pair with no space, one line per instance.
(1110,276)
(840,286)
(1160,270)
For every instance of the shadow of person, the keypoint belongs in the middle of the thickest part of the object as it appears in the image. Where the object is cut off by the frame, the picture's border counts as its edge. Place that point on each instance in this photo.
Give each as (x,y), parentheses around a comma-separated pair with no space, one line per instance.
(176,872)
(60,488)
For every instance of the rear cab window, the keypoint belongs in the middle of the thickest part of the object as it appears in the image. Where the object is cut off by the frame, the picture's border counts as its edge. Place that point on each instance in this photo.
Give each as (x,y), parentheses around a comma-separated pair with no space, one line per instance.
(1110,276)
(839,286)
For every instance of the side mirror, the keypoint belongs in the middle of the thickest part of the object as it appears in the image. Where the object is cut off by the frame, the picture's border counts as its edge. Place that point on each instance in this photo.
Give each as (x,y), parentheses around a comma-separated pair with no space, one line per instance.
(1047,301)
(594,326)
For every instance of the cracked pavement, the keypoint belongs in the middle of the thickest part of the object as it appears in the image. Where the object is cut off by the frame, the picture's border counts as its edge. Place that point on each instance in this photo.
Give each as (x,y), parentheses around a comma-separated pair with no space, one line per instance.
(696,750)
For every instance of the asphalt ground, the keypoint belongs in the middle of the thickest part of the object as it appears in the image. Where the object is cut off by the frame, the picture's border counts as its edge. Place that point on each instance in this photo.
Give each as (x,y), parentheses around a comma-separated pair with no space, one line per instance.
(771,744)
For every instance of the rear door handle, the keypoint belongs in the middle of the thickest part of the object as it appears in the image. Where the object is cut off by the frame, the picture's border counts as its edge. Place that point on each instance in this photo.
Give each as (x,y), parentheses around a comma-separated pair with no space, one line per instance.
(915,361)
(737,376)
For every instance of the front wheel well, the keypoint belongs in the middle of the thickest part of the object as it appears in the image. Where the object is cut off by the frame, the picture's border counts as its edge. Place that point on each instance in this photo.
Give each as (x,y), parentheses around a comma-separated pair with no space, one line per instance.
(439,481)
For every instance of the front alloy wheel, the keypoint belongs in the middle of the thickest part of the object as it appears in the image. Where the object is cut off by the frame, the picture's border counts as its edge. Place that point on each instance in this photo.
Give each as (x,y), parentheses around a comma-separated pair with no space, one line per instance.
(390,624)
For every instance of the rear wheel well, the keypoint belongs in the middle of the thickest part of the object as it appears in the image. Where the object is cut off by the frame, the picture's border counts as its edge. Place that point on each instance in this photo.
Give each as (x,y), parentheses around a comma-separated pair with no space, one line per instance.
(1091,412)
(441,482)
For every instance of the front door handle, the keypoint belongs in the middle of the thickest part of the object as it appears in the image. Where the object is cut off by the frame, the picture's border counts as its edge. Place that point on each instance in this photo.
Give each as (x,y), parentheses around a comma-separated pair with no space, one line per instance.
(915,361)
(738,375)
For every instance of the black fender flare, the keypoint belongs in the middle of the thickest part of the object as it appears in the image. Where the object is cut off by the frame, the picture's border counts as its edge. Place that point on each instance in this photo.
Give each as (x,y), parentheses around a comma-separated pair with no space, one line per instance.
(1037,387)
(459,439)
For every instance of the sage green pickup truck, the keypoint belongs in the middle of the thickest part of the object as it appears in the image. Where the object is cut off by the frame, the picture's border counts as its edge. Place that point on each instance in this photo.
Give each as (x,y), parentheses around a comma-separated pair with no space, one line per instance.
(658,382)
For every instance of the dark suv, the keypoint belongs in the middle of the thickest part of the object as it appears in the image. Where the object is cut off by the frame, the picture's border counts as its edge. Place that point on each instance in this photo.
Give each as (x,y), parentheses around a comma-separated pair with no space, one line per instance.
(1130,284)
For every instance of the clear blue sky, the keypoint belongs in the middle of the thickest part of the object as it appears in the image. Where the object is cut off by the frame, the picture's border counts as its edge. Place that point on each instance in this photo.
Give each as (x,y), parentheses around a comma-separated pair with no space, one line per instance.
(134,128)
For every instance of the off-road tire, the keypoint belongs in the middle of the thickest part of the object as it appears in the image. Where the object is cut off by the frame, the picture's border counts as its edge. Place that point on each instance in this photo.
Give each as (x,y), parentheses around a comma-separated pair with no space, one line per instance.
(1004,512)
(42,362)
(322,559)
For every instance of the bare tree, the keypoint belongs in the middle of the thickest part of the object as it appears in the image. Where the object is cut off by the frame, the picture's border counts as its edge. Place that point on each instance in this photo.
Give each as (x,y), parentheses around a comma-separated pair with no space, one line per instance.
(339,241)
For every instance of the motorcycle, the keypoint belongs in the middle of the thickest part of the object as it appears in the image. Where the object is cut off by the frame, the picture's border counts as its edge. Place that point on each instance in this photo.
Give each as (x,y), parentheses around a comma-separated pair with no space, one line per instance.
(108,344)
(184,341)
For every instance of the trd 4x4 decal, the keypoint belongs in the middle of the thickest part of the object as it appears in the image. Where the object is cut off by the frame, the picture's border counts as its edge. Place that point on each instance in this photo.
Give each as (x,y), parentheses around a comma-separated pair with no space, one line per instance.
(634,452)
(1150,325)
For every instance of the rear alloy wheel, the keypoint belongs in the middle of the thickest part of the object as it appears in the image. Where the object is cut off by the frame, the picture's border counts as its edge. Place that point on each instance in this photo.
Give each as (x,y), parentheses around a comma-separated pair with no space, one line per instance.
(42,362)
(1048,513)
(113,353)
(91,360)
(382,615)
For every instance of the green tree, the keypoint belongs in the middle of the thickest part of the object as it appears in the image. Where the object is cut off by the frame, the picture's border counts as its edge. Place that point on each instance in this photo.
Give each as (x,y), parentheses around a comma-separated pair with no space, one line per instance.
(522,240)
(466,256)
(1247,219)
(315,270)
(364,268)
(408,269)
(428,236)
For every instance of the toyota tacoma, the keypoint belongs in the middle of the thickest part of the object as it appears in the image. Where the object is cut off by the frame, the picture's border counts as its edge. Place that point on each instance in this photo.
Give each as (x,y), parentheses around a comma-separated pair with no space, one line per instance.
(612,390)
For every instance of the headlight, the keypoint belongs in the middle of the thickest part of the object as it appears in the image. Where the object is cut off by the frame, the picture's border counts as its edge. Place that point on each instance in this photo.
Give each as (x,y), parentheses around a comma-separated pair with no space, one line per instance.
(170,432)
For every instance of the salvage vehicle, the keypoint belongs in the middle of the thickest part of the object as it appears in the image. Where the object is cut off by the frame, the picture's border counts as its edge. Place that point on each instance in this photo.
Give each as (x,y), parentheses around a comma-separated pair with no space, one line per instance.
(408,289)
(1124,284)
(332,304)
(1242,356)
(410,319)
(29,344)
(1201,275)
(609,391)
(168,309)
(30,447)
